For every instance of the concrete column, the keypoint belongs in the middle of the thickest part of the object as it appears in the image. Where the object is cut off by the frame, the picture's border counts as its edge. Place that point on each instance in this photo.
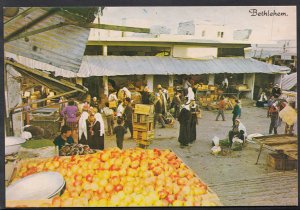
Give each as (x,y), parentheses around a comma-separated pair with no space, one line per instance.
(171,80)
(150,81)
(104,50)
(211,79)
(105,85)
(249,79)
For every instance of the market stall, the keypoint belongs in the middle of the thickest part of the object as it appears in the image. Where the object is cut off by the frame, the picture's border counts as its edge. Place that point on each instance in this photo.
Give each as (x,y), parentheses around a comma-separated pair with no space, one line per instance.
(285,148)
(133,177)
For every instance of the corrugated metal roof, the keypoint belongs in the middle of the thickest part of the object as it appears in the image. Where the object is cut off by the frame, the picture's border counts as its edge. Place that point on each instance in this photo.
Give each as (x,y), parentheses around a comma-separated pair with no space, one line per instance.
(139,65)
(289,81)
(61,47)
(148,65)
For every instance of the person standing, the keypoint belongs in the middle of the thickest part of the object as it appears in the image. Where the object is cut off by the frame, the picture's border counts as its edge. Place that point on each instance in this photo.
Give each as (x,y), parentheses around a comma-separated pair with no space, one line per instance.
(64,137)
(176,103)
(120,109)
(70,115)
(194,109)
(100,143)
(120,131)
(184,119)
(146,96)
(273,113)
(82,128)
(95,103)
(236,112)
(276,91)
(26,111)
(158,111)
(164,102)
(240,105)
(109,114)
(113,100)
(93,127)
(190,95)
(186,85)
(128,111)
(221,108)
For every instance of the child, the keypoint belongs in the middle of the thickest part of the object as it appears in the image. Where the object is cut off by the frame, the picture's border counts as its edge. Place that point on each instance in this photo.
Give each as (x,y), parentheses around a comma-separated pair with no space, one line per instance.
(120,131)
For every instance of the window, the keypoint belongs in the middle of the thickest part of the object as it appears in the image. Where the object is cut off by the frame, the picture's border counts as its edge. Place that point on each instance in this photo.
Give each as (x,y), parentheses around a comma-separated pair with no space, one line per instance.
(222,33)
(219,33)
(203,33)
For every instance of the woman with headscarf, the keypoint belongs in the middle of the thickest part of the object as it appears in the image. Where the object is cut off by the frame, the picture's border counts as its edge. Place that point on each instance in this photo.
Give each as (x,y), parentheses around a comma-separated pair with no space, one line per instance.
(238,130)
(194,120)
(184,119)
(127,93)
(190,95)
(99,118)
(93,126)
(82,128)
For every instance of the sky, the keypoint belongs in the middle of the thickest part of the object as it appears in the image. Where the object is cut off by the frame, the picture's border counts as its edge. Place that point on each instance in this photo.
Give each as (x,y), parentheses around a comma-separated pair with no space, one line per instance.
(264,28)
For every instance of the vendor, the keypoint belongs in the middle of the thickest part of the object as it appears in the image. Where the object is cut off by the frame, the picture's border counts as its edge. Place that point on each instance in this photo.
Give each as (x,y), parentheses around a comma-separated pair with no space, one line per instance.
(94,103)
(64,137)
(146,96)
(276,91)
(262,101)
(238,130)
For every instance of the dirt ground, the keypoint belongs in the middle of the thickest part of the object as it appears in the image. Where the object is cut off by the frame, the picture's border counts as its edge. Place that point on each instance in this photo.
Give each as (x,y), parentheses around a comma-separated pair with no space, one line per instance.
(235,178)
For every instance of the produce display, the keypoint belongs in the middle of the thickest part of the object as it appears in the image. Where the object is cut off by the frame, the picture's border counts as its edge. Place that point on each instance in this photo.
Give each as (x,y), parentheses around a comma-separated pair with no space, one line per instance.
(75,149)
(113,177)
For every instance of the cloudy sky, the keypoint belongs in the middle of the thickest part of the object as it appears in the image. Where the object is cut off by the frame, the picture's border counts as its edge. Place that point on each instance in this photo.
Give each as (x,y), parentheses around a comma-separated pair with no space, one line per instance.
(264,28)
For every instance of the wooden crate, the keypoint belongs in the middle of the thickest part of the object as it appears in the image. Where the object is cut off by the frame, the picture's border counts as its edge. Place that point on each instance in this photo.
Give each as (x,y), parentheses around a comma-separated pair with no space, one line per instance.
(141,118)
(112,104)
(144,109)
(143,126)
(278,162)
(143,135)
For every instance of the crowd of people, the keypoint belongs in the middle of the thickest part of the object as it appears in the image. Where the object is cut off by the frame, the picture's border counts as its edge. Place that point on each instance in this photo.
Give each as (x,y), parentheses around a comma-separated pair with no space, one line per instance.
(86,119)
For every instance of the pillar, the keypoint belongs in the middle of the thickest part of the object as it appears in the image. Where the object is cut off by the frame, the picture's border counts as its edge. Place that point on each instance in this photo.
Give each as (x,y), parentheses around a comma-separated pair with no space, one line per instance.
(211,79)
(105,85)
(249,79)
(150,79)
(171,80)
(105,78)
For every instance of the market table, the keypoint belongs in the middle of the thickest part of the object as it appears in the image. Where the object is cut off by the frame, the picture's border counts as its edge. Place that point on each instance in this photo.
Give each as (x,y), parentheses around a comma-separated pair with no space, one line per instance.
(286,145)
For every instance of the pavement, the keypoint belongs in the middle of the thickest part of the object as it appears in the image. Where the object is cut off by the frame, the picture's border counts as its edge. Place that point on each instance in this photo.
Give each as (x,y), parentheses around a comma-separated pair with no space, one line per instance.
(234,178)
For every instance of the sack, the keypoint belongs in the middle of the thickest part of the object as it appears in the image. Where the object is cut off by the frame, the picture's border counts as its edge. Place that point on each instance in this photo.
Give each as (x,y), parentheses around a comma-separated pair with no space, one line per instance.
(288,115)
(216,149)
(235,139)
(237,146)
(216,140)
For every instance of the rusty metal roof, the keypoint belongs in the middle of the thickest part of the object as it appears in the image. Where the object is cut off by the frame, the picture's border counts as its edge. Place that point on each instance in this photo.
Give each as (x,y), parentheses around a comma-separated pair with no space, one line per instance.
(62,47)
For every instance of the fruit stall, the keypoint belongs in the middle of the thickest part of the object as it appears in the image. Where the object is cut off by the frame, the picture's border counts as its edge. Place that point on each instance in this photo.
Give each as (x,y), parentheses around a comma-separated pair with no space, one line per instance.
(112,177)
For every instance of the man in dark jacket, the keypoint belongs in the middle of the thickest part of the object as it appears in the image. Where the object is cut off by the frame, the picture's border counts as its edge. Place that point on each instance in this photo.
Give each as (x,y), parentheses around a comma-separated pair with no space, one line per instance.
(146,96)
(158,111)
(276,91)
(128,111)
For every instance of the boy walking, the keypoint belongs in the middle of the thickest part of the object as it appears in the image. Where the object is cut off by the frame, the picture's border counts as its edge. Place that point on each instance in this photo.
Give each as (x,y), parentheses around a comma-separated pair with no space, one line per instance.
(120,131)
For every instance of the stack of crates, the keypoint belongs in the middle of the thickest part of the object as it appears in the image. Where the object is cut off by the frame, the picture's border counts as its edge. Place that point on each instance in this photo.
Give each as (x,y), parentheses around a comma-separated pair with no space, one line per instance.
(143,124)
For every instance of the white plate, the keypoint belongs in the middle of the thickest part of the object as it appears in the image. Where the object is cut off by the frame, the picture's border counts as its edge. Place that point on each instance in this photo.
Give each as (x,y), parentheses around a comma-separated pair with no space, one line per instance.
(35,187)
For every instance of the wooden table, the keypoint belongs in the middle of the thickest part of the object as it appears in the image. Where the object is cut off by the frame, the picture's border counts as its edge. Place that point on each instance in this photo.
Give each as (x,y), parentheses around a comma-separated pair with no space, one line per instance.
(284,144)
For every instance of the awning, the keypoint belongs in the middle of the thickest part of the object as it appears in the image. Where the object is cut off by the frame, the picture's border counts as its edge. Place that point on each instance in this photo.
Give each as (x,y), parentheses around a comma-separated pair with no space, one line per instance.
(44,34)
(59,85)
(154,65)
(289,81)
(151,65)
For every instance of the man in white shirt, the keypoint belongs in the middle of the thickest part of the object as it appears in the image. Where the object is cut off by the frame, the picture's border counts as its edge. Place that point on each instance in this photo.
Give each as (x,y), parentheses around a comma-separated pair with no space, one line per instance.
(186,85)
(109,114)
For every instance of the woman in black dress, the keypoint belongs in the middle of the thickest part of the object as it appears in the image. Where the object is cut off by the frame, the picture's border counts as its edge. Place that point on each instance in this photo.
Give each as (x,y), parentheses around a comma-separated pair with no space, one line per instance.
(194,120)
(94,138)
(184,119)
